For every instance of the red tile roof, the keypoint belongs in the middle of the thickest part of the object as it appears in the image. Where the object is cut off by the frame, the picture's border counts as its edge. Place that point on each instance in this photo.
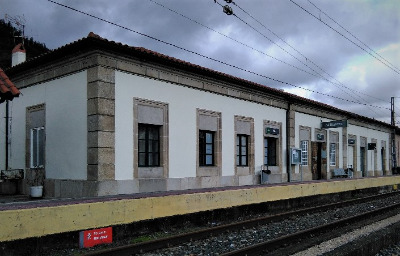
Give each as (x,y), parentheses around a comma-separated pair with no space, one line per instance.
(95,42)
(7,89)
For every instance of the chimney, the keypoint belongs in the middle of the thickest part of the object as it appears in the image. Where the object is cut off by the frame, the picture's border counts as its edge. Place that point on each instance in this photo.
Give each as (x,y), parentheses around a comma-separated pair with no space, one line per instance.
(18,55)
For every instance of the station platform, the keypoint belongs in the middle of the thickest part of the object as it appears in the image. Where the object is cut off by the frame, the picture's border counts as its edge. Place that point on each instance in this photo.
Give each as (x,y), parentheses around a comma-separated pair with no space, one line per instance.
(41,217)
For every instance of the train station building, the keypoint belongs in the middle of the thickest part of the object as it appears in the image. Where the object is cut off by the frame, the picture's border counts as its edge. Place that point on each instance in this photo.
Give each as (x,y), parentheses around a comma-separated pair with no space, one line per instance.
(100,118)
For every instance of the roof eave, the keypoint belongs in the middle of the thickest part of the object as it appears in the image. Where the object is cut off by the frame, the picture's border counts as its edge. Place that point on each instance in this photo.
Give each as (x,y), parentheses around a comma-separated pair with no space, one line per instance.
(94,42)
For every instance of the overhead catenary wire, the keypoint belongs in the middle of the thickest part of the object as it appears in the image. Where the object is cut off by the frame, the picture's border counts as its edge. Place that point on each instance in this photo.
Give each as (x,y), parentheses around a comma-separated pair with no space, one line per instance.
(341,34)
(202,55)
(337,84)
(305,57)
(269,39)
(235,40)
(369,48)
(259,51)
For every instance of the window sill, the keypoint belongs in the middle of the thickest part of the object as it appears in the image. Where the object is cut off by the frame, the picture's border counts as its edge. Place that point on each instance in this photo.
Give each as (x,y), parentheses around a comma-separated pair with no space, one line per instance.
(150,172)
(208,171)
(242,170)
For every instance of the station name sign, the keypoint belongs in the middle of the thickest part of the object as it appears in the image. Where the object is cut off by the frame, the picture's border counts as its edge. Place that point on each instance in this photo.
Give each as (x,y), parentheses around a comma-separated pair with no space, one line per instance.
(334,124)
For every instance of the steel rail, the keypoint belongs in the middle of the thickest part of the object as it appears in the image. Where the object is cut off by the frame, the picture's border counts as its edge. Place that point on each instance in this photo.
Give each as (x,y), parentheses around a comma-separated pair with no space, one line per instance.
(279,242)
(166,242)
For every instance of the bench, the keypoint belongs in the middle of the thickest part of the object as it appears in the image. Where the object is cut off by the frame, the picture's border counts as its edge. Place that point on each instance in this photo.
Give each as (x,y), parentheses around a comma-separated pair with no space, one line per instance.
(342,173)
(12,174)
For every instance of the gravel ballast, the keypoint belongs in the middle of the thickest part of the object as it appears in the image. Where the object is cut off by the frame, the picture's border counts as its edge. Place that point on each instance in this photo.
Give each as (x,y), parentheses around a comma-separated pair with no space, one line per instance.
(239,239)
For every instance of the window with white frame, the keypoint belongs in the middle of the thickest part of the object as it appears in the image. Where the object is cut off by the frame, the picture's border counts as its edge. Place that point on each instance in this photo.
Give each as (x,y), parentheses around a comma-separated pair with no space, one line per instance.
(304,152)
(332,154)
(37,139)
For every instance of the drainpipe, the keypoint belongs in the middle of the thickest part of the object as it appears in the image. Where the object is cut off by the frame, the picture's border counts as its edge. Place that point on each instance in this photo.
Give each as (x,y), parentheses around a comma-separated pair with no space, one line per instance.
(6,142)
(288,166)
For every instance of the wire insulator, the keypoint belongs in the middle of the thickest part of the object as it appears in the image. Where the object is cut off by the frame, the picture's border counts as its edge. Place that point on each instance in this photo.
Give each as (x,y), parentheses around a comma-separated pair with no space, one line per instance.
(228,1)
(228,10)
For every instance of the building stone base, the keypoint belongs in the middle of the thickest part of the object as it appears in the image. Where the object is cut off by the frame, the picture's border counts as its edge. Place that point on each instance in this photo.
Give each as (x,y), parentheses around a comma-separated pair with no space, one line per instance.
(387,173)
(82,188)
(357,174)
(305,176)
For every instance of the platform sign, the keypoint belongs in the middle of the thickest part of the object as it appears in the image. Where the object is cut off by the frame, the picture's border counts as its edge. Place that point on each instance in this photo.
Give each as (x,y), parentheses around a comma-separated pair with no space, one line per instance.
(90,238)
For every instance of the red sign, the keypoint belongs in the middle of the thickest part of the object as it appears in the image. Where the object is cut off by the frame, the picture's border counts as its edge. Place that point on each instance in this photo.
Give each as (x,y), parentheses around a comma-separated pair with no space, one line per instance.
(90,238)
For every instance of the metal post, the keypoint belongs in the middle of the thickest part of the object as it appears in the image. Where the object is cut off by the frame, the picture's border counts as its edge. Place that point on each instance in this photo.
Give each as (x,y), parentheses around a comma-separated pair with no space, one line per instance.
(392,111)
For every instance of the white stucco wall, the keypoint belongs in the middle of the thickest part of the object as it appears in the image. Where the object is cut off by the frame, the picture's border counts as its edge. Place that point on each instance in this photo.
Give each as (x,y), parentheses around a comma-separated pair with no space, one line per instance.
(371,134)
(315,122)
(66,125)
(182,104)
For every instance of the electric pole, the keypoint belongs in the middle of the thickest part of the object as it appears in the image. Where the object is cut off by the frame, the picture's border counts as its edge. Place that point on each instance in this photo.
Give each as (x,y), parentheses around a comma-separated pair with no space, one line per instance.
(393,123)
(392,111)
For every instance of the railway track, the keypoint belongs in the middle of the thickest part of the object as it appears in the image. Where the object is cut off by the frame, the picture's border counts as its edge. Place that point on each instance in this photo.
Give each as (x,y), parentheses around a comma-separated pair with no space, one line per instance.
(270,246)
(255,249)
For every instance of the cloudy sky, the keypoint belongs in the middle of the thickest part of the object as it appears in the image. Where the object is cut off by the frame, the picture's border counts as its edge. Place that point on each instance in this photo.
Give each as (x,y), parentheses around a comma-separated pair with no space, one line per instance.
(345,53)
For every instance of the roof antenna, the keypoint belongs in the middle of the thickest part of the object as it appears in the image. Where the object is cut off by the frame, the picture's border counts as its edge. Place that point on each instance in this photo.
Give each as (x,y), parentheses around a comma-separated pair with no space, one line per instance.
(19,22)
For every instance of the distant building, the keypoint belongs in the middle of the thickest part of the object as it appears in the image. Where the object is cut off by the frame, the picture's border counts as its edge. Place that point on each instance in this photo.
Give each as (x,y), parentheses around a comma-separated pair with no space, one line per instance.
(102,118)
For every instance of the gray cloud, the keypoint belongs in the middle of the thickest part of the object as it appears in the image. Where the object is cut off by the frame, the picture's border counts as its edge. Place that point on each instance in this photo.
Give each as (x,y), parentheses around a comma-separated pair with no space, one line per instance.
(374,22)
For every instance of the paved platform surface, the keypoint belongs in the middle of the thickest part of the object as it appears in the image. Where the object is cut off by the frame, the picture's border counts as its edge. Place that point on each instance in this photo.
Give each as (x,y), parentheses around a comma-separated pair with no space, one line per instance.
(18,201)
(34,218)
